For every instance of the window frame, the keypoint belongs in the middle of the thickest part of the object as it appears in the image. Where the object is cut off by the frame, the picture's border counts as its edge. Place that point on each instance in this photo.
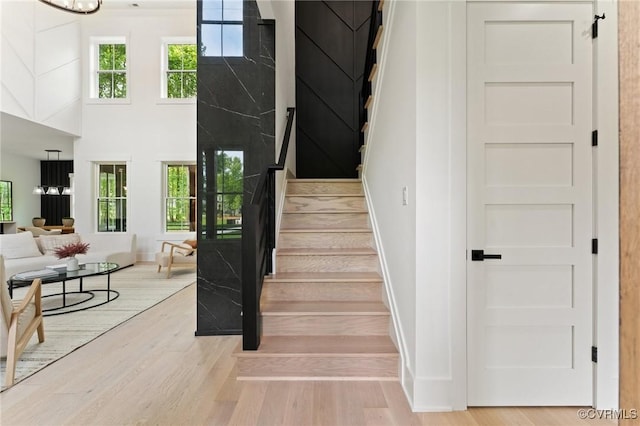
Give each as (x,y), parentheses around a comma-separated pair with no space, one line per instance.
(193,199)
(164,67)
(203,22)
(121,198)
(221,193)
(94,69)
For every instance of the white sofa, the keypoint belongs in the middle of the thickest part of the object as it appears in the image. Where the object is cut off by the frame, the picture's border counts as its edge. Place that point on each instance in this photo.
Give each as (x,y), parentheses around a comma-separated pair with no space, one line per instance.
(22,252)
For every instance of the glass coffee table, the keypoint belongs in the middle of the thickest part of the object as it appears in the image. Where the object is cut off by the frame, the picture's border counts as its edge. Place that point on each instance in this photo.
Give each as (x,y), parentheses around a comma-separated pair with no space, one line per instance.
(83,296)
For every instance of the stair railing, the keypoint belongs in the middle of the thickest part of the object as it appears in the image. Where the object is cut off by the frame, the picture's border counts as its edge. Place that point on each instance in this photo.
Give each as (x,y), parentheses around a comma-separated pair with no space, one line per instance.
(258,242)
(370,61)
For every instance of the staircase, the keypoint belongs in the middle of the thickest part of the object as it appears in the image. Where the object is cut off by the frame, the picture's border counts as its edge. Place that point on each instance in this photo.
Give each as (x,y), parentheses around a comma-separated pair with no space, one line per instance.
(322,312)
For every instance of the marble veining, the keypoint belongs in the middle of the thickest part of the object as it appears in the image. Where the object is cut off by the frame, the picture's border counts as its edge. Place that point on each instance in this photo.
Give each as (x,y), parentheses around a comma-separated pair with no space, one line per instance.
(236,111)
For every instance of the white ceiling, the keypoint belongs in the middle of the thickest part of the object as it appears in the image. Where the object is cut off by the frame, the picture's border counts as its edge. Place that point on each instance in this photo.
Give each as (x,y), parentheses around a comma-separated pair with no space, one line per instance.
(26,138)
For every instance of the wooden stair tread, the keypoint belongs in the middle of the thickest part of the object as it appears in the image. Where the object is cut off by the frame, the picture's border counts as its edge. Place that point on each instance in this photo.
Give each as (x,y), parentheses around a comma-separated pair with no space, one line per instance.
(327,180)
(378,37)
(323,308)
(324,195)
(324,277)
(326,230)
(319,325)
(326,251)
(332,211)
(372,74)
(323,346)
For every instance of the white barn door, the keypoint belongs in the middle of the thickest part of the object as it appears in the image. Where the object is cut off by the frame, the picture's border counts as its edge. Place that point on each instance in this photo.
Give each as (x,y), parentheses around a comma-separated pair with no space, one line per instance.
(530,201)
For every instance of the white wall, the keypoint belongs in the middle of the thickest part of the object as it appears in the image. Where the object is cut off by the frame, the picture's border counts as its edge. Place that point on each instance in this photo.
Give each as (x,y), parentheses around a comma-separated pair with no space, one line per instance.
(40,83)
(441,207)
(416,139)
(25,174)
(283,11)
(390,164)
(143,133)
(40,71)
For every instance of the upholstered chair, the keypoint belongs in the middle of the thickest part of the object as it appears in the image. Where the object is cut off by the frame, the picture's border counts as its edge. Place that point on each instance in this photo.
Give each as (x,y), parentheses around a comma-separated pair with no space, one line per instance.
(172,255)
(19,320)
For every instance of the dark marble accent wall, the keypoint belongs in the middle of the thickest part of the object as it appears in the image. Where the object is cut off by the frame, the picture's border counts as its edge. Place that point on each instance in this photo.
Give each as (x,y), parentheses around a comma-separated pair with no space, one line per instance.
(236,112)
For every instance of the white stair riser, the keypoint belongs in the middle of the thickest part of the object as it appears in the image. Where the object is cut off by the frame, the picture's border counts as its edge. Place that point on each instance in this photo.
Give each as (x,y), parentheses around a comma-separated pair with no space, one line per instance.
(370,367)
(324,188)
(323,325)
(325,240)
(317,263)
(322,291)
(299,203)
(324,220)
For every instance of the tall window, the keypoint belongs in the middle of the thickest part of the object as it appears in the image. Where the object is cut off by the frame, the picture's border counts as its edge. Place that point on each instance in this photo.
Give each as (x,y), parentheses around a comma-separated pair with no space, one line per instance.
(180,66)
(6,200)
(229,187)
(109,68)
(112,197)
(180,202)
(221,28)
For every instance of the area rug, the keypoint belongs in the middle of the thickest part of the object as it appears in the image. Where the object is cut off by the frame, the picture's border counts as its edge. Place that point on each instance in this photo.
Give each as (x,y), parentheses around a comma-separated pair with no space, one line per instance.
(140,288)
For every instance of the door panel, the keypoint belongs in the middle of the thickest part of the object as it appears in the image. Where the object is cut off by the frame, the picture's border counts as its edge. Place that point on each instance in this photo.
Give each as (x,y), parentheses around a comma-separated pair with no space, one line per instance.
(530,200)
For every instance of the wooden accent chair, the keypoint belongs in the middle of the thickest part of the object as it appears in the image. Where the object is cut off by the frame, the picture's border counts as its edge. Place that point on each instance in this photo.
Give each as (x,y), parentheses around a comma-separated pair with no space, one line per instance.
(19,320)
(172,255)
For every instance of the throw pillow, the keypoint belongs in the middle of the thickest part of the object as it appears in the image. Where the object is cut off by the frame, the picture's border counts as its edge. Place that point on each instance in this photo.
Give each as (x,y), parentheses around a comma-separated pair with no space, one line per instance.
(192,243)
(185,249)
(49,243)
(17,246)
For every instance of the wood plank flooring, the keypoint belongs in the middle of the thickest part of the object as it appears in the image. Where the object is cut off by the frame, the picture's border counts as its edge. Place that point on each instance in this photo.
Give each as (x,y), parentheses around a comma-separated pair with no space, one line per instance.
(153,370)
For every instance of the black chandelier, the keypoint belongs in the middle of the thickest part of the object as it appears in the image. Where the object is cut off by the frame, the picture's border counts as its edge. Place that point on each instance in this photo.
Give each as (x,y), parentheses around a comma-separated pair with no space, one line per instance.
(83,7)
(47,189)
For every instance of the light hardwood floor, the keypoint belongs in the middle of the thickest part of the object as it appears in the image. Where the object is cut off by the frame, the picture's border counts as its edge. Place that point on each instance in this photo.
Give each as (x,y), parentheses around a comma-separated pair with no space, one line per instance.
(152,370)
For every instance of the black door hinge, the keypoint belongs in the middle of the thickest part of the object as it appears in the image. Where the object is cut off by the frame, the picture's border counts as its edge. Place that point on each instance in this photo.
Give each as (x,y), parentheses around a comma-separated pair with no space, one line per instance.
(594,246)
(594,354)
(594,138)
(594,26)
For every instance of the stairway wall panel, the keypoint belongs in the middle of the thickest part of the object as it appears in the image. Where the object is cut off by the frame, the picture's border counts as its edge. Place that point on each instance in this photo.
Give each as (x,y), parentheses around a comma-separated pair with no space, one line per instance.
(331,39)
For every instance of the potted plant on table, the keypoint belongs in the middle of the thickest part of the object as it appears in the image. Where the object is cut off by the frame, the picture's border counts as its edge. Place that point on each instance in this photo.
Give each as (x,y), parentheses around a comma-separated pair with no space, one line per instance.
(38,221)
(69,252)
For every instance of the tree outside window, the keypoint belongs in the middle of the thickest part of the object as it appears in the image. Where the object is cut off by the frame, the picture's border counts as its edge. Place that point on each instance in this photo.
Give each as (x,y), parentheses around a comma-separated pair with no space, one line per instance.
(6,201)
(180,201)
(229,188)
(181,67)
(112,71)
(112,198)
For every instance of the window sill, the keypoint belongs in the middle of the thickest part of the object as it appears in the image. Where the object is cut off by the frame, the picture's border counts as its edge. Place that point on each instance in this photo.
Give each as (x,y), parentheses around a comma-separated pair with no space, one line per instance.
(98,101)
(176,101)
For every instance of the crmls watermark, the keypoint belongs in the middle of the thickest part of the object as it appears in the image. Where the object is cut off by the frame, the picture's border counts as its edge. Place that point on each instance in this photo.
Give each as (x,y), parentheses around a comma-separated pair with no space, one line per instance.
(621,414)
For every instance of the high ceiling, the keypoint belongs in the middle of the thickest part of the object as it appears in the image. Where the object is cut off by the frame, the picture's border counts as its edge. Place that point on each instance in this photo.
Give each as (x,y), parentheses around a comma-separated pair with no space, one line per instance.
(29,139)
(26,138)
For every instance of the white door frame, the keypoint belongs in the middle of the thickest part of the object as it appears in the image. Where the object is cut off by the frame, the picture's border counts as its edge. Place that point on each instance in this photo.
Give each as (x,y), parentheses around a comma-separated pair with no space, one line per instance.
(606,289)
